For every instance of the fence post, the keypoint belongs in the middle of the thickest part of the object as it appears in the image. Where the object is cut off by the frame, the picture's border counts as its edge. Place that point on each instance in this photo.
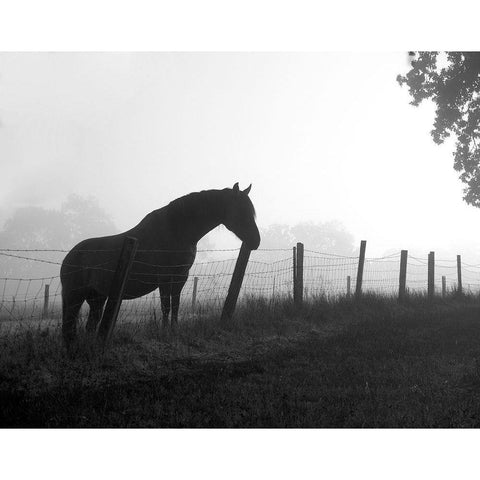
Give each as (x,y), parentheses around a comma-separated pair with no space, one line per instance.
(444,286)
(459,274)
(299,275)
(110,314)
(361,263)
(431,275)
(349,281)
(45,301)
(194,294)
(294,274)
(236,283)
(402,287)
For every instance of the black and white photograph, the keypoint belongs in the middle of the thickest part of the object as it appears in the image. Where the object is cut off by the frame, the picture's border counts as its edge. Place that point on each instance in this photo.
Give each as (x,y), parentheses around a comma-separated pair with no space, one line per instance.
(231,239)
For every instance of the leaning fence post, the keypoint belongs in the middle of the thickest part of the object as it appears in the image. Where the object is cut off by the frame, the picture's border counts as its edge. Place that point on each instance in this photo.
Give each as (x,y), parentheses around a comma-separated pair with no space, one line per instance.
(194,293)
(45,301)
(431,275)
(299,275)
(117,287)
(459,274)
(349,281)
(402,287)
(361,263)
(444,286)
(235,283)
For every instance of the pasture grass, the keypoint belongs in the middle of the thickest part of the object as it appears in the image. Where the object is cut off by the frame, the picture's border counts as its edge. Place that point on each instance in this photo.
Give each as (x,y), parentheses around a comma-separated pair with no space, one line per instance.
(332,363)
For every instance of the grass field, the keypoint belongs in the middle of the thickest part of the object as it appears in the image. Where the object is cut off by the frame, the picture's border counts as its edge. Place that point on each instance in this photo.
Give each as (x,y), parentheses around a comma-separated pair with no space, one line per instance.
(332,364)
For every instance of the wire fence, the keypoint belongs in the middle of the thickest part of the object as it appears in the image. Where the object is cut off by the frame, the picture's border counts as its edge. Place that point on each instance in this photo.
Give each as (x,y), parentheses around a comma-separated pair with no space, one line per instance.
(25,297)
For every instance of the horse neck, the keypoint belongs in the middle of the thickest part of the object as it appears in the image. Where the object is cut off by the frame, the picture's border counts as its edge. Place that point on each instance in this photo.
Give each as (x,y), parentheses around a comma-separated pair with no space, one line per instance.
(197,214)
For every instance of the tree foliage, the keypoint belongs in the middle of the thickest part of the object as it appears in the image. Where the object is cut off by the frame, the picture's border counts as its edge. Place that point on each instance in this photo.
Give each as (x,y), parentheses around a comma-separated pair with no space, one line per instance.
(40,228)
(36,227)
(330,237)
(452,81)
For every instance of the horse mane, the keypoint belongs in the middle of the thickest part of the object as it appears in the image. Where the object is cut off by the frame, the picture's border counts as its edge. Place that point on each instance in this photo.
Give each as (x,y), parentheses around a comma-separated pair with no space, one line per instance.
(180,203)
(209,197)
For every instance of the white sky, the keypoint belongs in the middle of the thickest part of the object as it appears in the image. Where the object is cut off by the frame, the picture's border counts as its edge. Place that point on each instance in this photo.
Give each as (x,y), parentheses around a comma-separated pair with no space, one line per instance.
(321,136)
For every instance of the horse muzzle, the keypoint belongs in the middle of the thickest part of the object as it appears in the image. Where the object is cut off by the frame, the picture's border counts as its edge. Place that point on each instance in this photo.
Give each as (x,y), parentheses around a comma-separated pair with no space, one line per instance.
(254,242)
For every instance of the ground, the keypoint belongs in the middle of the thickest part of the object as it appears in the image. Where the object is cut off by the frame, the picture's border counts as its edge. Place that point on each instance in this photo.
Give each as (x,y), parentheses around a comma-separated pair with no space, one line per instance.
(330,364)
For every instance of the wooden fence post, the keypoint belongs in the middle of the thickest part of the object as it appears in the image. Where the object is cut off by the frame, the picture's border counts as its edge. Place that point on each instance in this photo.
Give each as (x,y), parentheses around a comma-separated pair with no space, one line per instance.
(402,287)
(194,293)
(294,274)
(431,275)
(361,263)
(110,314)
(299,275)
(349,282)
(45,301)
(236,283)
(444,286)
(459,274)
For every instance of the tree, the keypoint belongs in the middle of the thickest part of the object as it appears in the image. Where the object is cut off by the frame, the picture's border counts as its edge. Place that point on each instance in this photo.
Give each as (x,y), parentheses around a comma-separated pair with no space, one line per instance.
(329,237)
(451,80)
(37,227)
(40,228)
(33,228)
(85,218)
(276,236)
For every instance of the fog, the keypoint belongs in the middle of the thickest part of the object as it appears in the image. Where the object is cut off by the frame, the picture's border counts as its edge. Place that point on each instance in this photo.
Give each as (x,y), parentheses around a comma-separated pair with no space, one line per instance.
(327,137)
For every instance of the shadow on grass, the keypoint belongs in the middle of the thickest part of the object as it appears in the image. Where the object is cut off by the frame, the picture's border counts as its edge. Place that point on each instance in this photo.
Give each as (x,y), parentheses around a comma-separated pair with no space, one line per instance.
(332,363)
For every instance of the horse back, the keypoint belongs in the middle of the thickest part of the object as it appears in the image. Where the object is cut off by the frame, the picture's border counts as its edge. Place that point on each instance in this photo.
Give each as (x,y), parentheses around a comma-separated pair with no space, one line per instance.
(91,264)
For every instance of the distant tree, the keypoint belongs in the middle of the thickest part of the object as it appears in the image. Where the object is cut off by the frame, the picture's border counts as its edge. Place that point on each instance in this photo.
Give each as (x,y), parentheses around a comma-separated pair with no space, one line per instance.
(276,236)
(329,237)
(33,228)
(37,227)
(452,81)
(84,218)
(40,228)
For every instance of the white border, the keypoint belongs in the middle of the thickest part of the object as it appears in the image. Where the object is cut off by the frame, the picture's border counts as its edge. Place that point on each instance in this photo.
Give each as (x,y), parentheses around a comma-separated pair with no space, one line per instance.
(239,454)
(250,25)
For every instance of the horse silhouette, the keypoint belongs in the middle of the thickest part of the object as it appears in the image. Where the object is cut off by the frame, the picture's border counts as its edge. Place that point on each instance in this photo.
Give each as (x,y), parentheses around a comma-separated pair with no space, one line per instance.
(166,249)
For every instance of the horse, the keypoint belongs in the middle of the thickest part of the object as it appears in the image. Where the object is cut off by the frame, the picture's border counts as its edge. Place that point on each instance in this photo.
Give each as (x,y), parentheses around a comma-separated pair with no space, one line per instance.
(166,249)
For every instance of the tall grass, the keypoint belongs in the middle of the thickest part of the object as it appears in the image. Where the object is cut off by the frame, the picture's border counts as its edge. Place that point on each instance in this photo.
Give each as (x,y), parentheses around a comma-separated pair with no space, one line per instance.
(331,362)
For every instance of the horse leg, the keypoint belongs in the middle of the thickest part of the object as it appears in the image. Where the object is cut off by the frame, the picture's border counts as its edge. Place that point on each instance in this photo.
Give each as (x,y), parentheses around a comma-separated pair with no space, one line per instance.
(177,287)
(165,289)
(96,303)
(71,305)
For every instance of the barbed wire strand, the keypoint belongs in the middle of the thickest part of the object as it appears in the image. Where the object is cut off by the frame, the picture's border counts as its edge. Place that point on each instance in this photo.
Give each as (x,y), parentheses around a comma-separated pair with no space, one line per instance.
(266,276)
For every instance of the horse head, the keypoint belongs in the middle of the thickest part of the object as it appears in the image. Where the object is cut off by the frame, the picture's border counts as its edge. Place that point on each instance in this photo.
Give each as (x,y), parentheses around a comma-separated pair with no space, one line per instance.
(240,216)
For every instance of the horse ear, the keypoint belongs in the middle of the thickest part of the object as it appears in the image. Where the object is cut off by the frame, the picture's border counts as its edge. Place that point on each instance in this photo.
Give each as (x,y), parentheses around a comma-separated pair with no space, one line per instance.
(247,190)
(235,188)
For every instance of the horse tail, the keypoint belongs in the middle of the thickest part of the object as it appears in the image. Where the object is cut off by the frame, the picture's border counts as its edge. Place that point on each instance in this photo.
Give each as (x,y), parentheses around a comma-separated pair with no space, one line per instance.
(71,278)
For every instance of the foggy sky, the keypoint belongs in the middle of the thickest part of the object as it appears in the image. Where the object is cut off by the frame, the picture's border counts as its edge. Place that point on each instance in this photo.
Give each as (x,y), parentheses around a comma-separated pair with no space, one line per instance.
(328,136)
